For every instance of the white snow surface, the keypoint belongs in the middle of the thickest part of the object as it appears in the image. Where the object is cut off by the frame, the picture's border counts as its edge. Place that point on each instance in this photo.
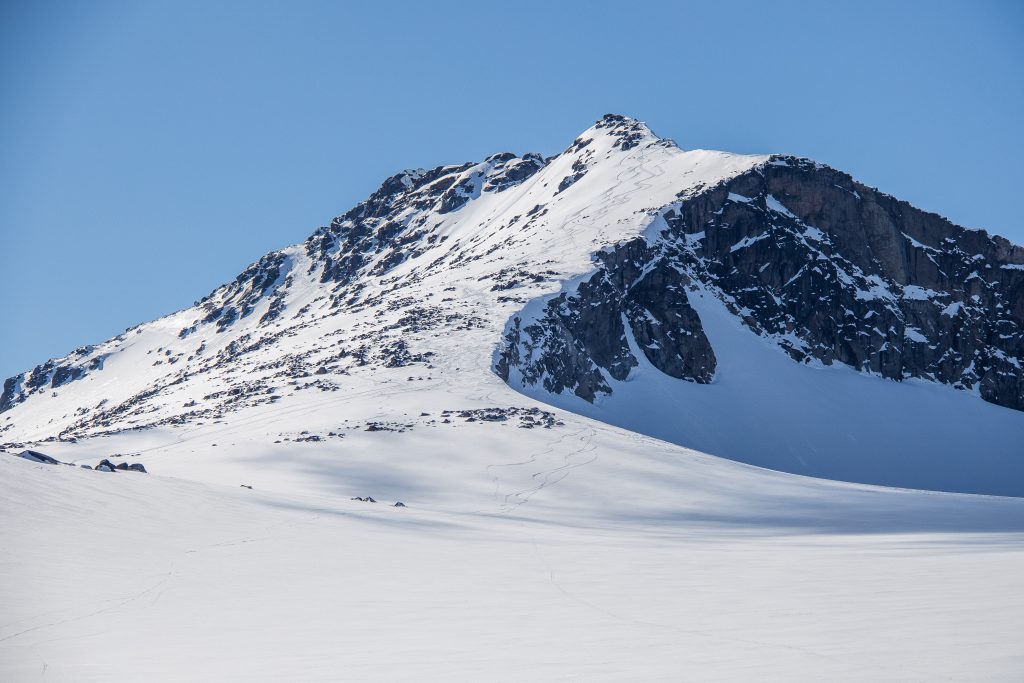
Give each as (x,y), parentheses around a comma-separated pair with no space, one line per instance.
(832,422)
(587,549)
(595,555)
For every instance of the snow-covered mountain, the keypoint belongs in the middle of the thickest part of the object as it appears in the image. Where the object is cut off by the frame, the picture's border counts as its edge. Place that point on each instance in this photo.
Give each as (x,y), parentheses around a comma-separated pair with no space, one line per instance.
(526,351)
(763,308)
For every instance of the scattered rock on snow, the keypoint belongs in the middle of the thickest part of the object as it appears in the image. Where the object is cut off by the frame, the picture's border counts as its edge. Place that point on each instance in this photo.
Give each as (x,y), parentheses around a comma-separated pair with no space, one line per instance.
(126,467)
(36,456)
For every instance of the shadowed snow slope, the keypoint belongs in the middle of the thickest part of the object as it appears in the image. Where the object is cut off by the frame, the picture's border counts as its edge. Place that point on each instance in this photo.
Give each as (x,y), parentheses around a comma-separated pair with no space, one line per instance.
(832,422)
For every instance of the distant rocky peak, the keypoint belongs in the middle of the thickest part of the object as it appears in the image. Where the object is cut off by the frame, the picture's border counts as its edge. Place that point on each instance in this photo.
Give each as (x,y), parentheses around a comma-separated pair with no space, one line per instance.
(626,130)
(614,132)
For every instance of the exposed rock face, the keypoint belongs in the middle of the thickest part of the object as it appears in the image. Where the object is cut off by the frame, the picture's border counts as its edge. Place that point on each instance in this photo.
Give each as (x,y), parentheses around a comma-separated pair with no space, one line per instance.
(49,375)
(864,279)
(369,240)
(237,299)
(389,226)
(637,292)
(829,268)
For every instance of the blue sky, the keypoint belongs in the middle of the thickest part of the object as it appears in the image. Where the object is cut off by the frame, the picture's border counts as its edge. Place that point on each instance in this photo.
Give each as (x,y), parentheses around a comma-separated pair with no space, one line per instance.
(151,150)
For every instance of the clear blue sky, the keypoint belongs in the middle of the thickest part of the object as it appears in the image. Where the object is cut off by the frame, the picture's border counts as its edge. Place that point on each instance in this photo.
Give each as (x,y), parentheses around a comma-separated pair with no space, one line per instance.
(150,150)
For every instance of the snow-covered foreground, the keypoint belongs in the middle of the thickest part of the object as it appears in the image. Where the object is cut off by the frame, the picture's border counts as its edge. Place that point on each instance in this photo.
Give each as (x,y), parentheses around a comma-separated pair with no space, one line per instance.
(610,557)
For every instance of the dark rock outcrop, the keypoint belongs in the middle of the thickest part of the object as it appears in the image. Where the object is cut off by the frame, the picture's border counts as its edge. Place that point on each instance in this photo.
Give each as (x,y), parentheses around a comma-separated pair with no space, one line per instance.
(635,302)
(52,374)
(831,270)
(383,224)
(130,467)
(237,300)
(36,456)
(840,272)
(381,227)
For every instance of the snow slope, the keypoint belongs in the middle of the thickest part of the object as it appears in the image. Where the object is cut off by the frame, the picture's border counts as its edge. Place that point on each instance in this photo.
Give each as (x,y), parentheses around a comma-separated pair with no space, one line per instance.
(537,543)
(831,422)
(645,561)
(410,293)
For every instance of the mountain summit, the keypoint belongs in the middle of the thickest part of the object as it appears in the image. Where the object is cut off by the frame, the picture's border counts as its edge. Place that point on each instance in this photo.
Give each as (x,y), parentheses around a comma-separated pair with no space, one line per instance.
(767,309)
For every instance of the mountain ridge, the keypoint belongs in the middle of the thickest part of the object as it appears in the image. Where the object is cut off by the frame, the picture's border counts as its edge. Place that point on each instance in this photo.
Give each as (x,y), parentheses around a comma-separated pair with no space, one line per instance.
(461,251)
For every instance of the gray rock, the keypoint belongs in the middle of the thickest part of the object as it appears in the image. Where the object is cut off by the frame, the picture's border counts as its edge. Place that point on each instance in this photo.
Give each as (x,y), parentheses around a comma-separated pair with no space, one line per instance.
(830,269)
(36,456)
(583,336)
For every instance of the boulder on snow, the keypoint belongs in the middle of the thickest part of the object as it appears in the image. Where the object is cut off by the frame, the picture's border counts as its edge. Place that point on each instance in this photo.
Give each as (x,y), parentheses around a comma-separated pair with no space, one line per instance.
(107,466)
(36,456)
(399,504)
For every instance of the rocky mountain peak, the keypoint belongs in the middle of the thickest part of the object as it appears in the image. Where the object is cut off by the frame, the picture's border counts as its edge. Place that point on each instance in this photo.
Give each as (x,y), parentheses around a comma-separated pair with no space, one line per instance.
(615,132)
(590,278)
